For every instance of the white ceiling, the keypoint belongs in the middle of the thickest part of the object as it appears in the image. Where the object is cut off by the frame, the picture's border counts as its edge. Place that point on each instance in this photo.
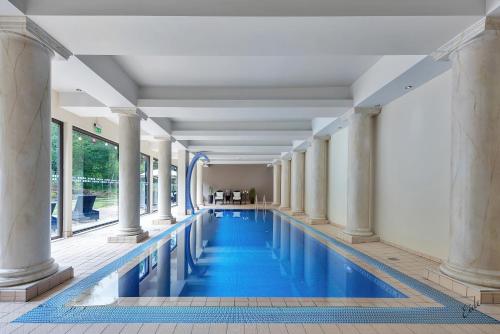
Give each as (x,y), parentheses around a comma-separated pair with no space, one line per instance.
(243,71)
(253,36)
(244,79)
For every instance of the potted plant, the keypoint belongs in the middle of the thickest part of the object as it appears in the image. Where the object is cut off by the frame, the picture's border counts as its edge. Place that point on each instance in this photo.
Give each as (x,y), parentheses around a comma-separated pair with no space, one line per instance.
(252,195)
(210,195)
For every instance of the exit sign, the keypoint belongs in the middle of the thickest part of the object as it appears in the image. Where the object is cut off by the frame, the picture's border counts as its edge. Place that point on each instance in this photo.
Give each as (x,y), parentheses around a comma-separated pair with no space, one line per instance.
(97,128)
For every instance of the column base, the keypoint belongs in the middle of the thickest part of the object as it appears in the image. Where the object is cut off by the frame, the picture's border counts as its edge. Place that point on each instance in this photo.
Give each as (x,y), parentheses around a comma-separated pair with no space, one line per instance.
(12,277)
(316,221)
(486,278)
(359,239)
(28,291)
(298,213)
(129,239)
(482,295)
(164,221)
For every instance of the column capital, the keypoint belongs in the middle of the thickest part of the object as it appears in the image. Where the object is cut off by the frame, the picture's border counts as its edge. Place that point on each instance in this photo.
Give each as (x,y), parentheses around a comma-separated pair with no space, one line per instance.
(485,25)
(286,156)
(129,111)
(25,26)
(302,146)
(276,162)
(367,111)
(164,138)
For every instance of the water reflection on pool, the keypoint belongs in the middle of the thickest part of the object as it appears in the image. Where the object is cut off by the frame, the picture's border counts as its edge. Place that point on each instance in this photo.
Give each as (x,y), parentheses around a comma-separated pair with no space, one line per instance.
(239,253)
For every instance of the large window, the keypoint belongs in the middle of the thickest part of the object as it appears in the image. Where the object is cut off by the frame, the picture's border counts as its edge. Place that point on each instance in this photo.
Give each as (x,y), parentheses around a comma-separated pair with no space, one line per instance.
(56,179)
(173,191)
(95,181)
(144,184)
(154,206)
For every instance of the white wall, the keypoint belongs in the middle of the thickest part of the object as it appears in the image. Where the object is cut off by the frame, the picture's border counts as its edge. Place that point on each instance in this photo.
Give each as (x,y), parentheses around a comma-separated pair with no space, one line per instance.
(239,177)
(109,128)
(412,169)
(337,178)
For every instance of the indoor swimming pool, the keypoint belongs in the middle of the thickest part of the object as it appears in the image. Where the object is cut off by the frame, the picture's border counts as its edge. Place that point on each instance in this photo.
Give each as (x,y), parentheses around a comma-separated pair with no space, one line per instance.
(239,253)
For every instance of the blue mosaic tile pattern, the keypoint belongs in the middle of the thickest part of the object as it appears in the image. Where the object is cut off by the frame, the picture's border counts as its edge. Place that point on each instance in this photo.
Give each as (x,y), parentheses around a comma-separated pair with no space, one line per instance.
(55,310)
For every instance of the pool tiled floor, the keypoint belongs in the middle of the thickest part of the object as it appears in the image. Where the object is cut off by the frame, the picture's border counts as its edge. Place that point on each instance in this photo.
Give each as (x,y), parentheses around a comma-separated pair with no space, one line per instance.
(90,251)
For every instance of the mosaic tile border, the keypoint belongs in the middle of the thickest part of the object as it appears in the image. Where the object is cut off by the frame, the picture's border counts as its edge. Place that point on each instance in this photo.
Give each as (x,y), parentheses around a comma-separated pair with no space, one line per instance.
(55,309)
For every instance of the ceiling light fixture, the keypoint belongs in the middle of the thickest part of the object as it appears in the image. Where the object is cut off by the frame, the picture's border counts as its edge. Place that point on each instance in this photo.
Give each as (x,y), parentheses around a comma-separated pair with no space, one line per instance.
(408,87)
(79,90)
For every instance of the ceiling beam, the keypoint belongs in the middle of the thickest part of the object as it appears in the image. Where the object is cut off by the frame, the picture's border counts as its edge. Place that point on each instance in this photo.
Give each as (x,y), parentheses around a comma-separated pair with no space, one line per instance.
(238,149)
(239,162)
(241,104)
(229,136)
(241,8)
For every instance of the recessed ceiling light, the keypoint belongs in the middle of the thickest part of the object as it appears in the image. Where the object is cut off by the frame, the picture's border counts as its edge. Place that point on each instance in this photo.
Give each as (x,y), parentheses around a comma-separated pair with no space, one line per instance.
(408,87)
(79,90)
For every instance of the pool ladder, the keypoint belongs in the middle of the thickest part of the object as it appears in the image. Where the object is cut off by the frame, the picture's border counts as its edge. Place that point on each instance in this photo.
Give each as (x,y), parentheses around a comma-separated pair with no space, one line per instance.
(263,202)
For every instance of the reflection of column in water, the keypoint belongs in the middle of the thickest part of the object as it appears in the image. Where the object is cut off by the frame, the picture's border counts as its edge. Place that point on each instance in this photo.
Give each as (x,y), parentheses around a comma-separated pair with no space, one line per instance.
(128,284)
(163,270)
(315,266)
(285,241)
(276,231)
(339,272)
(297,253)
(192,239)
(181,255)
(199,235)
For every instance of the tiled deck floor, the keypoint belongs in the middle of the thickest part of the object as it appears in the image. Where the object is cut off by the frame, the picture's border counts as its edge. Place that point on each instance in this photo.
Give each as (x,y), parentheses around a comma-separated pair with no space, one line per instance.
(90,251)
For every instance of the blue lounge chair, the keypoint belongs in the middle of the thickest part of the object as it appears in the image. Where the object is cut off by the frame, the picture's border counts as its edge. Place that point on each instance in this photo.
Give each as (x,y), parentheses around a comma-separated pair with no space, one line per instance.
(84,208)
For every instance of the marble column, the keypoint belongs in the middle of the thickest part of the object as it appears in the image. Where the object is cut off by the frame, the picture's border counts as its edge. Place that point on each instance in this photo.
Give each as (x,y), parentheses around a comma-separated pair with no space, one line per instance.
(285,184)
(129,224)
(298,182)
(165,182)
(276,183)
(474,253)
(193,185)
(182,163)
(25,118)
(360,171)
(199,184)
(318,189)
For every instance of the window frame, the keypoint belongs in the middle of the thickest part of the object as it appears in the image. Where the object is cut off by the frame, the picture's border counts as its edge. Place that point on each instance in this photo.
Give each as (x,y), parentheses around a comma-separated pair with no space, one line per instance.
(149,183)
(60,209)
(93,135)
(152,185)
(174,167)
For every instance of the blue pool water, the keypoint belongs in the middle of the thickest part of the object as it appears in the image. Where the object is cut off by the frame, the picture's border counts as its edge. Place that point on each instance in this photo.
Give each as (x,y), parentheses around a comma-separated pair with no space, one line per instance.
(242,253)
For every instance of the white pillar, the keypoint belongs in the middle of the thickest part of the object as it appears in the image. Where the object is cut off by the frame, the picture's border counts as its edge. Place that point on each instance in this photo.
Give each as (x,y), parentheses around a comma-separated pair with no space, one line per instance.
(298,182)
(68,179)
(129,224)
(277,183)
(194,185)
(474,253)
(318,182)
(182,163)
(164,182)
(285,184)
(199,184)
(24,160)
(360,172)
